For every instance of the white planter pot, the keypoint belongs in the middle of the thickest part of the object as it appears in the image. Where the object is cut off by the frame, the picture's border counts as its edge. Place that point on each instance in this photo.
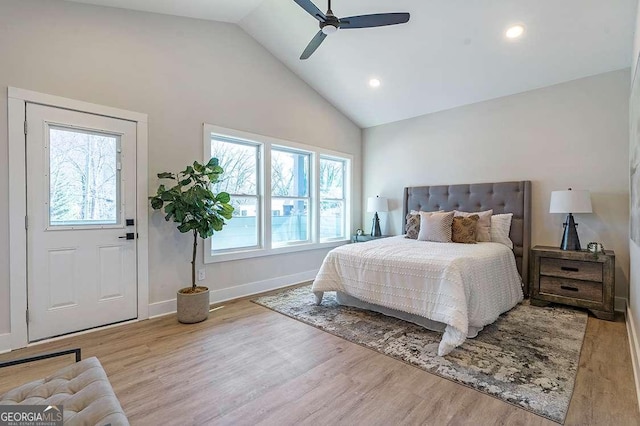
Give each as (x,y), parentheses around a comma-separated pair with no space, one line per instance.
(193,307)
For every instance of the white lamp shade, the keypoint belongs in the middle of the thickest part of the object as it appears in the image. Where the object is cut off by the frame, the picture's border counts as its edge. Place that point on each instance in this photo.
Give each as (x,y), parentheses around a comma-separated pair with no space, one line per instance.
(570,201)
(377,204)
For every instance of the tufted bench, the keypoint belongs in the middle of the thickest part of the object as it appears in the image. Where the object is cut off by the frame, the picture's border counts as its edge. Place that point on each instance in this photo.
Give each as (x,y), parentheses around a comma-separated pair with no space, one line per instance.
(82,388)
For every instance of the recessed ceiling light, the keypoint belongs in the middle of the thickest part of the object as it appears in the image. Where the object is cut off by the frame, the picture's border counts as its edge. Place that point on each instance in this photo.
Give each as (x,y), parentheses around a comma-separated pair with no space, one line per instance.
(514,31)
(374,82)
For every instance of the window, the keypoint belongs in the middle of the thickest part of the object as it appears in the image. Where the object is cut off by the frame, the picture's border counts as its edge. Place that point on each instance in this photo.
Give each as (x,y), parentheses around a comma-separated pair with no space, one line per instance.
(240,163)
(333,200)
(84,177)
(287,196)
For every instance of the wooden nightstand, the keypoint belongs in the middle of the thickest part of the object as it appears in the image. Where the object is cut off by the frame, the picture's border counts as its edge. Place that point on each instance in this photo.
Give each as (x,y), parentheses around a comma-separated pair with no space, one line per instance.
(576,278)
(366,237)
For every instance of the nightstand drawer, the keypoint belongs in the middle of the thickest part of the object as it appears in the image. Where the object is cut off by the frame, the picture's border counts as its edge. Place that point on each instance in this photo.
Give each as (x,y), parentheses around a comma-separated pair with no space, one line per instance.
(574,269)
(585,290)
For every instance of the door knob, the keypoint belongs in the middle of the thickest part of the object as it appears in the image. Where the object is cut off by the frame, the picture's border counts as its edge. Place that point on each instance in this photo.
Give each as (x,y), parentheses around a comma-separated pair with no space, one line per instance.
(128,236)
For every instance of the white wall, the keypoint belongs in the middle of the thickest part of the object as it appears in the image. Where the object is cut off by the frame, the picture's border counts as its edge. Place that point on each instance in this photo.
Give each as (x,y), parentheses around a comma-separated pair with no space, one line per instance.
(182,72)
(636,43)
(634,249)
(569,135)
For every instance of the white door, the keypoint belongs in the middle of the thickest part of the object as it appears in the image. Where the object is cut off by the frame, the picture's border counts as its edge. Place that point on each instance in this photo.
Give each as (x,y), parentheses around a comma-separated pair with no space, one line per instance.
(81,204)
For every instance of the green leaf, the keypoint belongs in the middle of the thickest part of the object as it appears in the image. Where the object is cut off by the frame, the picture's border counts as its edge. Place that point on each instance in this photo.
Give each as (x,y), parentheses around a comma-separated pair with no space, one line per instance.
(213,161)
(184,228)
(166,175)
(227,211)
(185,182)
(223,197)
(156,203)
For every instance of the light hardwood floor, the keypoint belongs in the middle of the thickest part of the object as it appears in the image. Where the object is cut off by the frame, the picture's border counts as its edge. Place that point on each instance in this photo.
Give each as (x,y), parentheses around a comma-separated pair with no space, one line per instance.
(248,365)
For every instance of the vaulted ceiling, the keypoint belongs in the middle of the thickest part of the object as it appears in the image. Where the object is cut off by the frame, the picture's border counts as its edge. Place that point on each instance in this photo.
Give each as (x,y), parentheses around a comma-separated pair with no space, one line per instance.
(451,52)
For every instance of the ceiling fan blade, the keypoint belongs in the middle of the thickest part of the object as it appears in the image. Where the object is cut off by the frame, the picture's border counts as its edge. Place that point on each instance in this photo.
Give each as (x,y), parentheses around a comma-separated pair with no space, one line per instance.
(376,20)
(311,9)
(315,42)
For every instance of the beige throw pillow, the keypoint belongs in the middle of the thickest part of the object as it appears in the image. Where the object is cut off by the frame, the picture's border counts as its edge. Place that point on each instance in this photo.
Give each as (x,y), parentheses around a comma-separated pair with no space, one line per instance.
(483,230)
(463,229)
(435,226)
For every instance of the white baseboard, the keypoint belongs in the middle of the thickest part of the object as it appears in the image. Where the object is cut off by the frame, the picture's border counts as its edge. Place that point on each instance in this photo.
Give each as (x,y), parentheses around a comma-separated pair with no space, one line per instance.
(166,307)
(159,309)
(634,346)
(5,343)
(620,304)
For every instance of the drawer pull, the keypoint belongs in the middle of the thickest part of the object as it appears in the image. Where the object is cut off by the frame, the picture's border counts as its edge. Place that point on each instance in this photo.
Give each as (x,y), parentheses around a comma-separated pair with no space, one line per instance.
(569,268)
(566,287)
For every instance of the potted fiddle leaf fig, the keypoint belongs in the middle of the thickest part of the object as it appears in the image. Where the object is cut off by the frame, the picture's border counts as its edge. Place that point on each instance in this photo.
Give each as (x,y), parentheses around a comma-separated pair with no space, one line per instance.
(191,204)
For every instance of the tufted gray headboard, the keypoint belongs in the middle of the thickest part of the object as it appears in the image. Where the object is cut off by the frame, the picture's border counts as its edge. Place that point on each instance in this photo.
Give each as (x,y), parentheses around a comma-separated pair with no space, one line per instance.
(502,197)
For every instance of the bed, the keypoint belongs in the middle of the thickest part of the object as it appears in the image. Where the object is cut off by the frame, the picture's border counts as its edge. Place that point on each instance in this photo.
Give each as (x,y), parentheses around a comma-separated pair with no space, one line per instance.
(453,288)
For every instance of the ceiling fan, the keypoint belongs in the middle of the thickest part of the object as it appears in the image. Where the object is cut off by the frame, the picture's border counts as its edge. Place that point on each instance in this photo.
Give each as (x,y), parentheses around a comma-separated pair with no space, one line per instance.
(329,23)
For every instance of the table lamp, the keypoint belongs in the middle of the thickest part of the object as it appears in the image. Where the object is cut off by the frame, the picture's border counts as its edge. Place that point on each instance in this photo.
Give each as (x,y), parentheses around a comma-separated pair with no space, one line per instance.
(377,204)
(570,202)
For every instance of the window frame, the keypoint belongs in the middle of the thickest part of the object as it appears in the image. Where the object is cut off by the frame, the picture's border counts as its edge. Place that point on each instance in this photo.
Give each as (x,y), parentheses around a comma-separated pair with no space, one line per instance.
(265,246)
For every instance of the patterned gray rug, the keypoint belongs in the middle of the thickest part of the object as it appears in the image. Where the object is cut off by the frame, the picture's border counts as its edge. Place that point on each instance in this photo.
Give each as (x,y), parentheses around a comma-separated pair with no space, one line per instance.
(528,357)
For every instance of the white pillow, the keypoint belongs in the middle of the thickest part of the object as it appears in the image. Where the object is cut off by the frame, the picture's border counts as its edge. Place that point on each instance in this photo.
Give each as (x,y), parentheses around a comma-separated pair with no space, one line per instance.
(412,224)
(500,227)
(435,226)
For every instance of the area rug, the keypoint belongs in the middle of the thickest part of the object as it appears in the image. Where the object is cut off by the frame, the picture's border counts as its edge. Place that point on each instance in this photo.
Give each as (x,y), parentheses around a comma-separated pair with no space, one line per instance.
(528,357)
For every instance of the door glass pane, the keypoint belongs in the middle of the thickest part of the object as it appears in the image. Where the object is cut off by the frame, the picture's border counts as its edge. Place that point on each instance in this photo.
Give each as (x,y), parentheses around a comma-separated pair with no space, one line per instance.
(83,177)
(289,221)
(242,230)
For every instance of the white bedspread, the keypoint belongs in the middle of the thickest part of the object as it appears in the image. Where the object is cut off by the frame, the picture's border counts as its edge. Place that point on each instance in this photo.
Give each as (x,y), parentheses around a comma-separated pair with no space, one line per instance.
(460,285)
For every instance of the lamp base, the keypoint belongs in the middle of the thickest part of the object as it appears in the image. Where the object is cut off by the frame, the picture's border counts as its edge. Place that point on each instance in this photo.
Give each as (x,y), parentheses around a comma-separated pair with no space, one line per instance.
(375,226)
(570,240)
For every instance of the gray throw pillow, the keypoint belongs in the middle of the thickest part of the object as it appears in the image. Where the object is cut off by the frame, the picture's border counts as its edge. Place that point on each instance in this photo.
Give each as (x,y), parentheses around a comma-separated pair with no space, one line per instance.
(412,227)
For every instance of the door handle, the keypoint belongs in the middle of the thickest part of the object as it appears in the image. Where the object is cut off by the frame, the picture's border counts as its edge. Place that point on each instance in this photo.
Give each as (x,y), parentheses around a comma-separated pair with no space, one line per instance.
(128,236)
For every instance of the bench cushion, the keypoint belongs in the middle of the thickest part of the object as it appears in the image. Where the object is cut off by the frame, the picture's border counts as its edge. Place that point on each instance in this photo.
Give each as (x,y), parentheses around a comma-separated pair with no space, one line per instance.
(82,388)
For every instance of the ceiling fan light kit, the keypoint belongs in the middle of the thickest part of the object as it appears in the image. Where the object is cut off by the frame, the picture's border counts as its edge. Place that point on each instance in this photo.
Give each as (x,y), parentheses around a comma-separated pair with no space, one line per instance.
(329,23)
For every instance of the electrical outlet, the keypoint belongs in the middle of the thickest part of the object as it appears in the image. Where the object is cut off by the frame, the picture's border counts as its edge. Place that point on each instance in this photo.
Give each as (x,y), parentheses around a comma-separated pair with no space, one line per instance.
(201,274)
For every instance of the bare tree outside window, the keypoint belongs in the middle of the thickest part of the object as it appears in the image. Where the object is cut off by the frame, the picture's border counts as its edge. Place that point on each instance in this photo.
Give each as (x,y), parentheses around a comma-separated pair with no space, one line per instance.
(239,161)
(289,196)
(274,205)
(332,198)
(83,177)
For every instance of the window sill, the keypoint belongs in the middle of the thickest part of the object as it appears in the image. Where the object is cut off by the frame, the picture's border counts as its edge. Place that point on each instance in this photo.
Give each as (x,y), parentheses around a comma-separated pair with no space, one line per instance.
(261,252)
